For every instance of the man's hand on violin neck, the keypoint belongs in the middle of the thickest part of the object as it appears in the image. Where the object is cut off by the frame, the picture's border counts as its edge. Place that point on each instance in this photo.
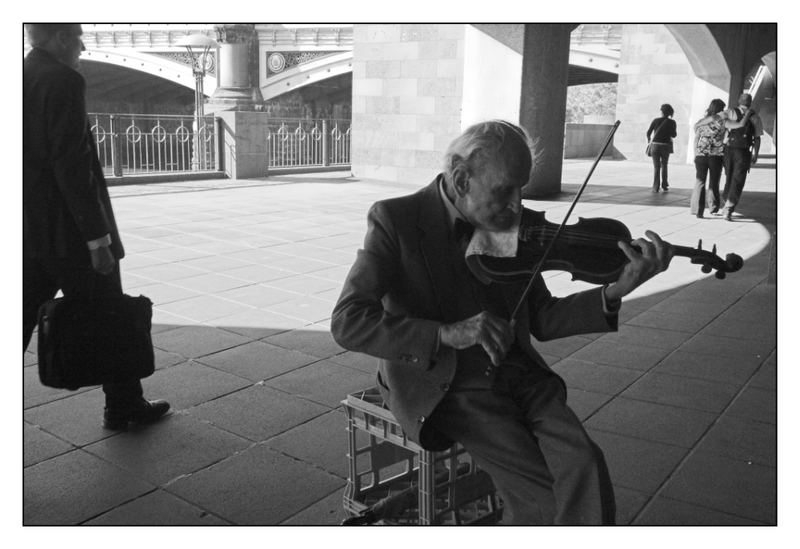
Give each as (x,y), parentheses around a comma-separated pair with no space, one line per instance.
(493,333)
(653,257)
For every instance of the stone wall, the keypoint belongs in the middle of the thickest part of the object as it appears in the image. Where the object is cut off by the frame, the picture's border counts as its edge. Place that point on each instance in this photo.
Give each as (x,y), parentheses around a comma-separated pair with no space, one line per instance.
(654,70)
(407,90)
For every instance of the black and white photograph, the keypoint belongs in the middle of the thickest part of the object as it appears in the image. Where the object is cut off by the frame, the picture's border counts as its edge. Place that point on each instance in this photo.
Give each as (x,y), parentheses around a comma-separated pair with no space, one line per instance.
(300,275)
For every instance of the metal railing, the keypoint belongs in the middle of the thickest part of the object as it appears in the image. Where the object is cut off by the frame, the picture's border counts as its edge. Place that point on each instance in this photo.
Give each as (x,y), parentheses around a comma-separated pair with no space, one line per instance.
(304,143)
(134,144)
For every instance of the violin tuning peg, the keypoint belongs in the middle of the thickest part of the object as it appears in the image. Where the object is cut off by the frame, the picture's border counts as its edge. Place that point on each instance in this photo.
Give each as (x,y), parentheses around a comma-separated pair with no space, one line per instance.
(700,244)
(714,249)
(706,268)
(720,274)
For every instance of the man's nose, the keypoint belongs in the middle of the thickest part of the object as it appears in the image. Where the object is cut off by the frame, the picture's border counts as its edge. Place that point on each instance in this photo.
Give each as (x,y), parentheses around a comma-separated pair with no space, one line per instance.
(83,46)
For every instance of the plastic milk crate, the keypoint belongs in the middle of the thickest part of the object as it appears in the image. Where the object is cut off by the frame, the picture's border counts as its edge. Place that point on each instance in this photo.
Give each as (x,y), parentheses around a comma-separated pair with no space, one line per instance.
(410,485)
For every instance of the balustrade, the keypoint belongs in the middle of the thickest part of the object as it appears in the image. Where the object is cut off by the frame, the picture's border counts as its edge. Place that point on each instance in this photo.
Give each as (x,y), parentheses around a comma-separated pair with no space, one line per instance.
(133,144)
(304,143)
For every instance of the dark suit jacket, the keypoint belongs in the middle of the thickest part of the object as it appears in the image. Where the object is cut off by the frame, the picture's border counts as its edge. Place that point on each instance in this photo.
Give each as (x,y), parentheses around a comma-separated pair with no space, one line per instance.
(65,200)
(399,291)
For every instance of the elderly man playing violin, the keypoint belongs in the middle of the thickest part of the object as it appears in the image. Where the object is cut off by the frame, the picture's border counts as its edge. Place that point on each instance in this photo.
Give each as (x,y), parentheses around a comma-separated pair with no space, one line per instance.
(453,365)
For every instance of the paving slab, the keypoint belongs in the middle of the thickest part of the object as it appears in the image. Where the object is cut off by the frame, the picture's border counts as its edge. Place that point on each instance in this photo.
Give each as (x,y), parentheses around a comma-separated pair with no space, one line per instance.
(75,487)
(650,421)
(197,340)
(755,404)
(191,383)
(742,439)
(316,442)
(598,378)
(620,354)
(35,394)
(732,486)
(637,464)
(664,511)
(585,403)
(328,511)
(256,323)
(177,445)
(710,366)
(629,504)
(76,419)
(40,445)
(258,412)
(157,508)
(257,487)
(682,392)
(257,360)
(318,343)
(325,382)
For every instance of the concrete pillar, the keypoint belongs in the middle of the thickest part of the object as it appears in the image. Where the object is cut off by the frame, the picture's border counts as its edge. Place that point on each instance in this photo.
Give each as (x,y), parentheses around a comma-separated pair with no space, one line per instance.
(244,143)
(543,102)
(237,69)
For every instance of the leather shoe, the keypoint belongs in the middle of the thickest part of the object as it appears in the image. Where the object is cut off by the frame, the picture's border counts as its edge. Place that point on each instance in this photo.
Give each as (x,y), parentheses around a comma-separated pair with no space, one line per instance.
(143,413)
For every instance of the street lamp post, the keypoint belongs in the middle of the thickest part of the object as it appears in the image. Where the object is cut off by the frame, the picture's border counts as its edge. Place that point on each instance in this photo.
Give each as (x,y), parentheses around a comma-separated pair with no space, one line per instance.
(198,46)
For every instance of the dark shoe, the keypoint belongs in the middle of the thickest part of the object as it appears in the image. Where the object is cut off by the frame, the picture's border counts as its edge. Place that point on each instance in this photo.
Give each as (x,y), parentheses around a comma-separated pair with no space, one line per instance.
(714,211)
(147,411)
(728,216)
(699,216)
(665,187)
(655,190)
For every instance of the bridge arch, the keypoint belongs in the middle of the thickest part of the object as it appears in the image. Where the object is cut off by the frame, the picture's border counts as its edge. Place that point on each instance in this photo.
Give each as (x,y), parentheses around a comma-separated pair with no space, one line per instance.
(156,65)
(703,53)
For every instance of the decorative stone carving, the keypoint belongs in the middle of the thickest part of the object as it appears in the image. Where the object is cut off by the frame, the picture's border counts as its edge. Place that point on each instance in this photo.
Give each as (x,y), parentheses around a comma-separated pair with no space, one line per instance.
(235,34)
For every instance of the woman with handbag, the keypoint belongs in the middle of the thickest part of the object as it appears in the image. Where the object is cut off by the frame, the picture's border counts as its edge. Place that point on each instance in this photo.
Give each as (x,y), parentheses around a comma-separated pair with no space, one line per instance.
(663,129)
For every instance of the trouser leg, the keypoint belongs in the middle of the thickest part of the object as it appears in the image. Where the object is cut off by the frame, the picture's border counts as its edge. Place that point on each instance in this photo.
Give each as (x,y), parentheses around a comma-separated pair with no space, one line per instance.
(540,458)
(714,175)
(582,484)
(698,199)
(656,168)
(665,170)
(493,431)
(740,165)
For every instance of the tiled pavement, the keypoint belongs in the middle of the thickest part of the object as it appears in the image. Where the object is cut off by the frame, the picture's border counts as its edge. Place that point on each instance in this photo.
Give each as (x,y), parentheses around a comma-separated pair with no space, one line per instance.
(244,275)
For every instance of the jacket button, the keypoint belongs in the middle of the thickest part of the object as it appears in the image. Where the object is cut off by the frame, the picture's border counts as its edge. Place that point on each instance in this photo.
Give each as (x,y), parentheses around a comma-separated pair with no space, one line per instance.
(414,359)
(445,387)
(421,419)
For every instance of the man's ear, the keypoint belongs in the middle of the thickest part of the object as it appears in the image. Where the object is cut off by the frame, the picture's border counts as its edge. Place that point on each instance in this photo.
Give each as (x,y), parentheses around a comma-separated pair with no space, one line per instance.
(460,175)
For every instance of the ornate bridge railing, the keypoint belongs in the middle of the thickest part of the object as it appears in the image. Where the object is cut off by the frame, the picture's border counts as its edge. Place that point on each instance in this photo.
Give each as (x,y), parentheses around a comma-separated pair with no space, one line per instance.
(304,143)
(133,144)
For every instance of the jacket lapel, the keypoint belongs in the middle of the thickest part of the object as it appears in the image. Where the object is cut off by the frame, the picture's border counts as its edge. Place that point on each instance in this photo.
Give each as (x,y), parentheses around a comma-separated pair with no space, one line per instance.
(434,243)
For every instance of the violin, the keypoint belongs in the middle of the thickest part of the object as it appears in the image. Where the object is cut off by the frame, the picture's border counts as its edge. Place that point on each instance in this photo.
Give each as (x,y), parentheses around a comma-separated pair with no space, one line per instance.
(588,250)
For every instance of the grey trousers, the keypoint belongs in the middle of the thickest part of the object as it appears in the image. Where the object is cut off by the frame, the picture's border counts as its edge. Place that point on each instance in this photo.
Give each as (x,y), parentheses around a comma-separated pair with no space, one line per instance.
(542,461)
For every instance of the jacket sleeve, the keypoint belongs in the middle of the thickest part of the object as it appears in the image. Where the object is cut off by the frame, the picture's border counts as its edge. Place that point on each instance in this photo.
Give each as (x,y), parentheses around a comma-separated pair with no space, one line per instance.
(360,321)
(579,313)
(71,156)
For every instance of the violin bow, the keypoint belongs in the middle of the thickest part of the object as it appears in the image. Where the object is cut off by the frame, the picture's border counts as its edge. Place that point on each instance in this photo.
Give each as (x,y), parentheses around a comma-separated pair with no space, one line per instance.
(560,229)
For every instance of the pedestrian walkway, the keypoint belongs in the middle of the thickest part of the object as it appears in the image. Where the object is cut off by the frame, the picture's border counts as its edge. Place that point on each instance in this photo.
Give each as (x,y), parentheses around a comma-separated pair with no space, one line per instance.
(244,275)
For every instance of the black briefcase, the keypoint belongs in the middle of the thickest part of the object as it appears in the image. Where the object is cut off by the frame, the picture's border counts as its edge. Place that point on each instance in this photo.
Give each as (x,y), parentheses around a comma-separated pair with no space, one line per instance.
(104,339)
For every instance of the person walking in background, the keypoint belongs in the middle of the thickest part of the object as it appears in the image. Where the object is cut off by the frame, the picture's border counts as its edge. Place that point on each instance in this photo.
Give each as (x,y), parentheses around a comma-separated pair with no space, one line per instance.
(70,240)
(709,153)
(741,150)
(663,130)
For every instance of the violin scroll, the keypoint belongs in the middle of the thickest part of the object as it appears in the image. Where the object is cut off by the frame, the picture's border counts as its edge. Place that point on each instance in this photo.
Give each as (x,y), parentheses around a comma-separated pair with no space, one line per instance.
(710,261)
